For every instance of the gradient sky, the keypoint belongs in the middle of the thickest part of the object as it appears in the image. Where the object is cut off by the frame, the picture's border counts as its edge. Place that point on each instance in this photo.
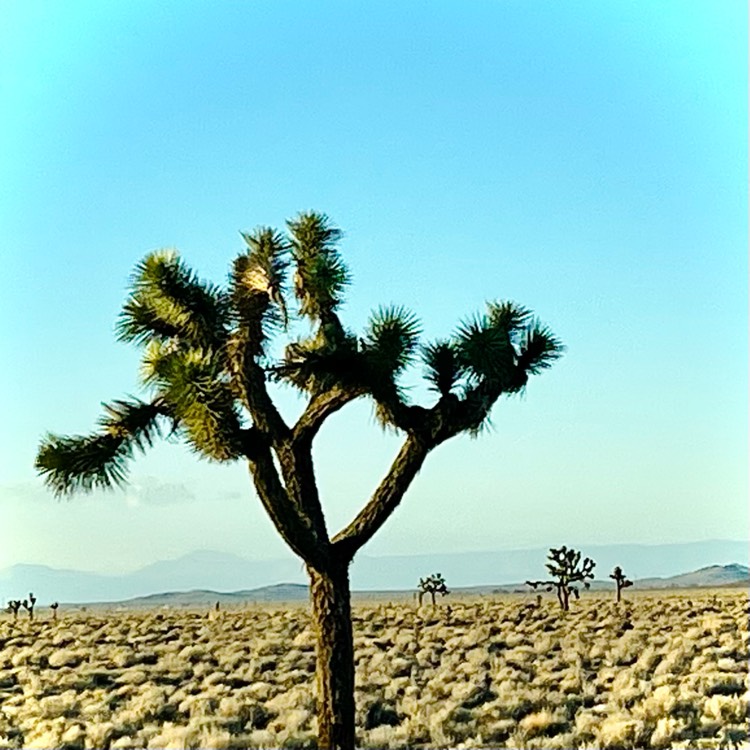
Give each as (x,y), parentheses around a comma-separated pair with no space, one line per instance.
(586,159)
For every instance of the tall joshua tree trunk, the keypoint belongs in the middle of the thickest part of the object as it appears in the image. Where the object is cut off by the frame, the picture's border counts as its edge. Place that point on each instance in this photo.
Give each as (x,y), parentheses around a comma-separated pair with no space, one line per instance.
(331,605)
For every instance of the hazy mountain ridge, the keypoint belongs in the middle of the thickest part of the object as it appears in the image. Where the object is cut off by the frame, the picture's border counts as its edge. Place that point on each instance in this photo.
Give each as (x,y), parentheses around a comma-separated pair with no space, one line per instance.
(712,576)
(222,572)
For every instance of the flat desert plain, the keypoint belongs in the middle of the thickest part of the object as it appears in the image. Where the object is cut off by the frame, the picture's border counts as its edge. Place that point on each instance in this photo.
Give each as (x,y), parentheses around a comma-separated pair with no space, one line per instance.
(658,670)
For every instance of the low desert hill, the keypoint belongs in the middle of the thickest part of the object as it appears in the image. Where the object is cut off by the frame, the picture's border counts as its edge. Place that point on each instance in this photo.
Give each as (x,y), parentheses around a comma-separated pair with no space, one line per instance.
(210,570)
(713,576)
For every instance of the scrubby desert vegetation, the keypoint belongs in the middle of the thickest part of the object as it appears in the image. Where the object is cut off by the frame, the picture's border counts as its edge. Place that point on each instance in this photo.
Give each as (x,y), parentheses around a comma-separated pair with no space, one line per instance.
(657,670)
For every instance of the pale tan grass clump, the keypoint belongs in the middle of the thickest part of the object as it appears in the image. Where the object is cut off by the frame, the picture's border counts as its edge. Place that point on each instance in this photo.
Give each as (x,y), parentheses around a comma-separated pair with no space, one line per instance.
(174,737)
(538,723)
(134,676)
(65,657)
(395,687)
(99,734)
(386,737)
(726,709)
(22,656)
(63,705)
(296,697)
(667,730)
(659,703)
(291,721)
(618,730)
(45,734)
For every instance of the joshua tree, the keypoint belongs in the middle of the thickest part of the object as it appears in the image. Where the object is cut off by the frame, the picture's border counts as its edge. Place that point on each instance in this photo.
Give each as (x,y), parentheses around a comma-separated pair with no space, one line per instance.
(13,606)
(207,363)
(566,570)
(54,607)
(432,585)
(28,605)
(620,580)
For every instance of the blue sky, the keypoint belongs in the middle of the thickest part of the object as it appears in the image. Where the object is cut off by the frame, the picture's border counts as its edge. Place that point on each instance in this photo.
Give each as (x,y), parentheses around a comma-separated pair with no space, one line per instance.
(586,159)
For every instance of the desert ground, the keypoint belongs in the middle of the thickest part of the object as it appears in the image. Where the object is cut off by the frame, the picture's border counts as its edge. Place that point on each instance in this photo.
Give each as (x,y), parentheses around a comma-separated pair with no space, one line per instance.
(661,669)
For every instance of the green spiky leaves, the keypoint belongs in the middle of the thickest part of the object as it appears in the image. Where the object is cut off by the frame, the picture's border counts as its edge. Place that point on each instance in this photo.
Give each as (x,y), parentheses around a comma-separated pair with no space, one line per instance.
(504,346)
(443,368)
(390,341)
(207,357)
(199,395)
(508,317)
(257,284)
(539,349)
(133,420)
(322,361)
(82,463)
(321,275)
(486,344)
(484,350)
(167,300)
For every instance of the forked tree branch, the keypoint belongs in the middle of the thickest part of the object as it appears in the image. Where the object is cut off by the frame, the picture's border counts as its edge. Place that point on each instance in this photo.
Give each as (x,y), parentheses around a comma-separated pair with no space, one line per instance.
(426,429)
(295,529)
(320,407)
(384,500)
(266,417)
(298,472)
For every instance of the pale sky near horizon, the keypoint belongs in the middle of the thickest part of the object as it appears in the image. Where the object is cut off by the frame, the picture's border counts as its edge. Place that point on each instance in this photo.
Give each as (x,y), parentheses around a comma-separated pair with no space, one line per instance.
(586,159)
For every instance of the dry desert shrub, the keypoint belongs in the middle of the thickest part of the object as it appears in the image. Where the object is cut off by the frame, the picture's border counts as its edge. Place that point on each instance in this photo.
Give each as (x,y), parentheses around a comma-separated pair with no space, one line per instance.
(660,672)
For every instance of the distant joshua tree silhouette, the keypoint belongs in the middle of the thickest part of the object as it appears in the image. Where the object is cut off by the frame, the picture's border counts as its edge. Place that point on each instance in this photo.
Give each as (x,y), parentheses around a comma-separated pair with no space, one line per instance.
(566,570)
(13,606)
(54,607)
(434,584)
(28,605)
(620,580)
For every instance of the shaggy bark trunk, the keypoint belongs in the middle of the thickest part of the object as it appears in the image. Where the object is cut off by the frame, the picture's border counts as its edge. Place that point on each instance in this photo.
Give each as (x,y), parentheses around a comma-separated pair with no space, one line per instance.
(619,591)
(334,673)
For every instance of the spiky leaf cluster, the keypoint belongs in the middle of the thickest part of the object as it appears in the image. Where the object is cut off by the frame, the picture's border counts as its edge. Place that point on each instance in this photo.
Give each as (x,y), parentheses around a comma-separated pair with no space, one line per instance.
(443,368)
(168,301)
(566,570)
(87,462)
(326,359)
(565,566)
(434,584)
(258,286)
(321,275)
(622,581)
(206,355)
(495,350)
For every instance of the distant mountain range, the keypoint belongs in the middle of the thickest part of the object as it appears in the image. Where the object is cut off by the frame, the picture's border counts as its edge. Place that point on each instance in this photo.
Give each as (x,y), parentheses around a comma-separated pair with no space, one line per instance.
(212,572)
(713,576)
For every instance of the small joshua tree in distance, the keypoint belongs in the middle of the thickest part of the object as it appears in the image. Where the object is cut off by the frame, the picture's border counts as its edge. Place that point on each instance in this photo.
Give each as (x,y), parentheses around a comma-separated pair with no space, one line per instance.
(566,570)
(54,607)
(13,606)
(620,580)
(28,605)
(434,584)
